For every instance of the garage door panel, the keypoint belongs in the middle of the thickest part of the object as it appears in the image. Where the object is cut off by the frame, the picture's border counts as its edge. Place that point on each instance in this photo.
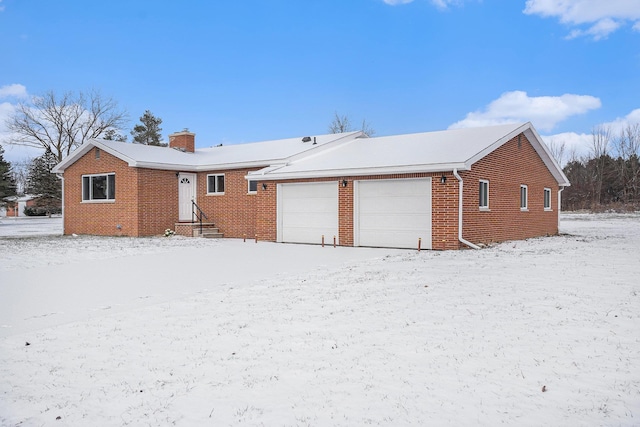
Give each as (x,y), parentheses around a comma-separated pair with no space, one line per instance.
(393,213)
(396,204)
(307,211)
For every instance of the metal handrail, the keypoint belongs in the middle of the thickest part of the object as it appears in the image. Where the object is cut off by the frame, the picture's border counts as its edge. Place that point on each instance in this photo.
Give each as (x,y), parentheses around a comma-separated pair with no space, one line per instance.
(199,214)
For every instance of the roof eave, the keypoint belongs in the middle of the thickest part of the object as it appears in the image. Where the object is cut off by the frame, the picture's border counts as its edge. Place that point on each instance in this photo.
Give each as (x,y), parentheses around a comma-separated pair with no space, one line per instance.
(537,144)
(330,173)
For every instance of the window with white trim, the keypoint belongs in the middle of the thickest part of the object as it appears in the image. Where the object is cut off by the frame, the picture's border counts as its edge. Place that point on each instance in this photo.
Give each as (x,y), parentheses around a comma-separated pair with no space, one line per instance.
(524,203)
(483,193)
(547,199)
(99,187)
(252,187)
(215,184)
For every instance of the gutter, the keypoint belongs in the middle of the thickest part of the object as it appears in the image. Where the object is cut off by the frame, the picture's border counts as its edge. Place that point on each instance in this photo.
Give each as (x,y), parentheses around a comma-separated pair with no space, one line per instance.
(61,178)
(460,206)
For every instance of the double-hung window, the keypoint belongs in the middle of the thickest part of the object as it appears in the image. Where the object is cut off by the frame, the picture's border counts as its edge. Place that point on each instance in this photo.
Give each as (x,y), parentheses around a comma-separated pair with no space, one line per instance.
(483,193)
(524,203)
(547,199)
(215,184)
(99,187)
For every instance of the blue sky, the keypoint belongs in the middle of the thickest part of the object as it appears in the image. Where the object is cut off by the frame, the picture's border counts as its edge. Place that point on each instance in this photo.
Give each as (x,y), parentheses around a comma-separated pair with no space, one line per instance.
(241,71)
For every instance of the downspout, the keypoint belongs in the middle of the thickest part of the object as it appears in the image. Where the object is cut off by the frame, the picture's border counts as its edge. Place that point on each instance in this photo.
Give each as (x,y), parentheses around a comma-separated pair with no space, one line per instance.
(61,178)
(460,206)
(560,205)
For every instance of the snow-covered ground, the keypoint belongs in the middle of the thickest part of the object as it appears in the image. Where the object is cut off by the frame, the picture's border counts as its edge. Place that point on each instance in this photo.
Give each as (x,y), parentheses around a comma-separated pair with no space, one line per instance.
(163,331)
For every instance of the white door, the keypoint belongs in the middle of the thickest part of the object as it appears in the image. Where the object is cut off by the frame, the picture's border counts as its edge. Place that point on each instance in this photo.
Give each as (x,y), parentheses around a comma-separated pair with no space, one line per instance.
(307,211)
(186,194)
(392,213)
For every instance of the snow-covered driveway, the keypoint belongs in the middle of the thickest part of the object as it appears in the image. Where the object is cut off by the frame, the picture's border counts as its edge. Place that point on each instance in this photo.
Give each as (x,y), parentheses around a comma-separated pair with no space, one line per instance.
(537,332)
(55,280)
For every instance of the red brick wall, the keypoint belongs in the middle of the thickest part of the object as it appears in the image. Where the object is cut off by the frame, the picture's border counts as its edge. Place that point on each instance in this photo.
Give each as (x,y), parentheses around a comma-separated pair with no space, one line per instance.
(158,198)
(233,212)
(443,212)
(101,218)
(147,200)
(506,169)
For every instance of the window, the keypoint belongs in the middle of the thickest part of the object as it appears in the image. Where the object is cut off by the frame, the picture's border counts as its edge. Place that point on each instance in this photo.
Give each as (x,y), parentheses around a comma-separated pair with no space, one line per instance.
(483,192)
(523,198)
(253,187)
(99,187)
(215,184)
(547,199)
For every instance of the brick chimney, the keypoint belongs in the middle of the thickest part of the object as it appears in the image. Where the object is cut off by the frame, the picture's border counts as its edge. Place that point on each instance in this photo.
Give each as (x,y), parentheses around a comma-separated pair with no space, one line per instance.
(183,141)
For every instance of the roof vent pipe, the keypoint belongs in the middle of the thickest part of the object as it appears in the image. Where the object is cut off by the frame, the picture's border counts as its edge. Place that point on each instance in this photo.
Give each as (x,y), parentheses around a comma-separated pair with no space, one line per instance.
(460,206)
(314,140)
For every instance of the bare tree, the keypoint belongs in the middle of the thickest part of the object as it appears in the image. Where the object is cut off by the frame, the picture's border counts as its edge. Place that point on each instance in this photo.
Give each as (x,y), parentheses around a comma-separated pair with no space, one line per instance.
(61,123)
(342,123)
(627,150)
(558,151)
(600,139)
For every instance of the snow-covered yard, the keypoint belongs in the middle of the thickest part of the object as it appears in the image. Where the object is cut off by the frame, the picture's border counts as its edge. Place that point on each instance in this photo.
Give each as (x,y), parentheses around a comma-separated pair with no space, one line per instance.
(198,332)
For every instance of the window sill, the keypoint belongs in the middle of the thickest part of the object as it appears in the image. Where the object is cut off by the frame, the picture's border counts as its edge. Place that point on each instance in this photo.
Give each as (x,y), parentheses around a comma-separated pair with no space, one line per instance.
(548,210)
(215,194)
(98,201)
(252,193)
(524,209)
(484,209)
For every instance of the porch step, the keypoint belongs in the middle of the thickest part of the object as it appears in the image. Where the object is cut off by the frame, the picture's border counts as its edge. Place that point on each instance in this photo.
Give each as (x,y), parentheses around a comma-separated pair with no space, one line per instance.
(208,230)
(211,233)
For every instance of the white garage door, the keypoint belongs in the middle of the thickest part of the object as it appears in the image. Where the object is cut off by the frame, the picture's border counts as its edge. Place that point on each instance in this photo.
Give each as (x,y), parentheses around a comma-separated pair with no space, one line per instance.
(307,211)
(393,213)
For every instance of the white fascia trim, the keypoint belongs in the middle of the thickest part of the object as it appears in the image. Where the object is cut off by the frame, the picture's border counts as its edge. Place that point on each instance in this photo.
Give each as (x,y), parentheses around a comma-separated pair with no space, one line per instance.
(330,173)
(548,159)
(537,144)
(80,151)
(499,143)
(198,168)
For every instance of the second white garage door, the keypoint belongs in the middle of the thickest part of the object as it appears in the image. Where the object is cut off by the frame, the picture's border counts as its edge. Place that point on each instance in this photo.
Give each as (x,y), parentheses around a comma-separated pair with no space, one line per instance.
(393,213)
(307,211)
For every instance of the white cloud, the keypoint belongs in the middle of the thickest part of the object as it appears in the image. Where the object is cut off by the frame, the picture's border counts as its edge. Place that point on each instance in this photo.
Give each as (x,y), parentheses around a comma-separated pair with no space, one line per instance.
(396,2)
(601,16)
(443,4)
(440,4)
(545,112)
(578,144)
(14,90)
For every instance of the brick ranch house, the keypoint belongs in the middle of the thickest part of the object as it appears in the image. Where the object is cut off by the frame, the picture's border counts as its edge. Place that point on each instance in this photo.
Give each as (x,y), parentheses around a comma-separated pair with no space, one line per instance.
(437,190)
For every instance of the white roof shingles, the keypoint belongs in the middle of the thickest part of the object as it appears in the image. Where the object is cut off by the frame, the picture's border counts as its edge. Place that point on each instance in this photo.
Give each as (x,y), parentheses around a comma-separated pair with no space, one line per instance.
(223,157)
(347,154)
(420,152)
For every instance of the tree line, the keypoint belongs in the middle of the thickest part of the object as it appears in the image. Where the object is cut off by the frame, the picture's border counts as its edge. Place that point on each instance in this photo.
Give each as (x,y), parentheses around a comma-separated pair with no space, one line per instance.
(608,177)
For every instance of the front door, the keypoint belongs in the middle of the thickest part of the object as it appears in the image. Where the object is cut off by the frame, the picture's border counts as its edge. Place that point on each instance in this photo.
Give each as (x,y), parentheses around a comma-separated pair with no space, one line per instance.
(186,194)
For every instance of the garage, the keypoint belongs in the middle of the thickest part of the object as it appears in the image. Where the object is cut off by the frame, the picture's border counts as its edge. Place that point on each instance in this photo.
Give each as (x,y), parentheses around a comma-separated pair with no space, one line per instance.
(307,211)
(392,213)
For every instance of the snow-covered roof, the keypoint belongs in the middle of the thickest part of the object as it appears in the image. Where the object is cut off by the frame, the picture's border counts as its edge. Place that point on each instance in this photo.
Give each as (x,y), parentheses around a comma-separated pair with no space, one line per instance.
(345,154)
(257,154)
(411,153)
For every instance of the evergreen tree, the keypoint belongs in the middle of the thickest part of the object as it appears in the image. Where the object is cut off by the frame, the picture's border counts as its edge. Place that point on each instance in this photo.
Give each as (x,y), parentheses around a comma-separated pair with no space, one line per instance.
(113,135)
(41,182)
(148,131)
(7,179)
